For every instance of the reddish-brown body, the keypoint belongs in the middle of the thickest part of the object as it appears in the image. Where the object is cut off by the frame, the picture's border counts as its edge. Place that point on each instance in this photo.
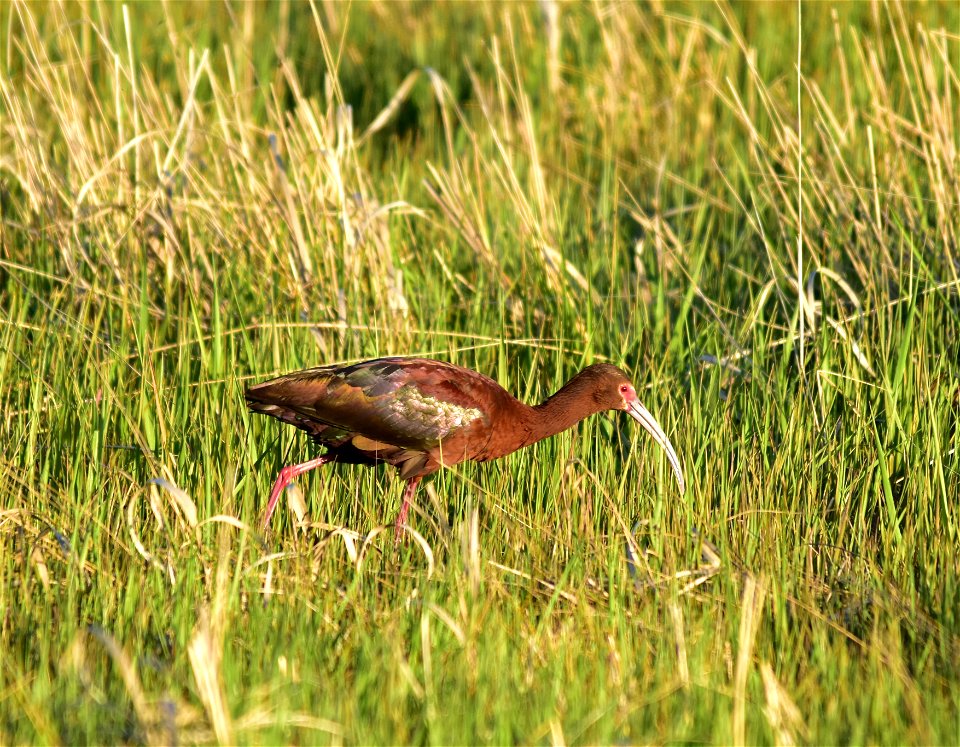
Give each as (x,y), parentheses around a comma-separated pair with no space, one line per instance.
(420,415)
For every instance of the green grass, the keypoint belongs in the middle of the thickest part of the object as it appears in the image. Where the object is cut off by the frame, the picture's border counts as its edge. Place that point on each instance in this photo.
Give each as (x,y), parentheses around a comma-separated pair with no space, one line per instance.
(193,197)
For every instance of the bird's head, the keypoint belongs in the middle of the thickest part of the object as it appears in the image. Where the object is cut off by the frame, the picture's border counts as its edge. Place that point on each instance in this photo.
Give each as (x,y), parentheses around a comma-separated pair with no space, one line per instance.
(613,390)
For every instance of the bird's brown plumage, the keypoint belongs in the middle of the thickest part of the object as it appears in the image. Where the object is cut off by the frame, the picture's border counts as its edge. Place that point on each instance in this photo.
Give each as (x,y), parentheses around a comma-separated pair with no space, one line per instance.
(420,414)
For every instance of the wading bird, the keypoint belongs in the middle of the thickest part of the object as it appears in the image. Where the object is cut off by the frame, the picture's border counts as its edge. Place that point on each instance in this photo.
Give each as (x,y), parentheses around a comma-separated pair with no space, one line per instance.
(420,415)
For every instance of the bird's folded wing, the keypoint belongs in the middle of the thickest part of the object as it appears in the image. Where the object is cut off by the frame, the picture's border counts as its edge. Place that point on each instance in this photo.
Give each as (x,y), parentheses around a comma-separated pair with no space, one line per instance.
(404,402)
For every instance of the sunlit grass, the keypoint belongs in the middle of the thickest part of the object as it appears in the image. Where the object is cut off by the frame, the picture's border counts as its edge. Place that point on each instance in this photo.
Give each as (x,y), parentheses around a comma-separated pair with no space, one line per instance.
(192,201)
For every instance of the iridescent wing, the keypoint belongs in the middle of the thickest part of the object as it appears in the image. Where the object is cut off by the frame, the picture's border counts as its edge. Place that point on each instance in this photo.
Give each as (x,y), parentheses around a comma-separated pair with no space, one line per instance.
(413,403)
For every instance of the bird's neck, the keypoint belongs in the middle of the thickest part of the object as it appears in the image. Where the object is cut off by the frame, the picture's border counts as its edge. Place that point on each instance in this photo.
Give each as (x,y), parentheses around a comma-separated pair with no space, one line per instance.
(525,425)
(564,409)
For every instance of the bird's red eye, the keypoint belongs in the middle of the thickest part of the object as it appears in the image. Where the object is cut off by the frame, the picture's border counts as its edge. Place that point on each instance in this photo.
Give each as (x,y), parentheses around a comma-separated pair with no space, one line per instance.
(624,388)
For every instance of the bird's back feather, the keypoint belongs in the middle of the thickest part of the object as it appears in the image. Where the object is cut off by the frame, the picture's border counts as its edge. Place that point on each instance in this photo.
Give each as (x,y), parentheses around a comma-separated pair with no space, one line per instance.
(411,403)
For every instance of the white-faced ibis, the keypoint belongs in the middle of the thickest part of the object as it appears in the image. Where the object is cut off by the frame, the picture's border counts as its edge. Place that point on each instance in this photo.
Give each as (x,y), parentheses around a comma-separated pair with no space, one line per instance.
(420,415)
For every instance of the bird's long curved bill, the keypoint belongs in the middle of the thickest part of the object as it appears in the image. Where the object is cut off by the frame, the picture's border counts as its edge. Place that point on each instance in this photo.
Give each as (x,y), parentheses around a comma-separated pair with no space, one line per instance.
(642,415)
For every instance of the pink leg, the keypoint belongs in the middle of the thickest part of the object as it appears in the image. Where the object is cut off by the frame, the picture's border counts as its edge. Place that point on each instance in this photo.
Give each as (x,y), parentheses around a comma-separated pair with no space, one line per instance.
(401,521)
(287,475)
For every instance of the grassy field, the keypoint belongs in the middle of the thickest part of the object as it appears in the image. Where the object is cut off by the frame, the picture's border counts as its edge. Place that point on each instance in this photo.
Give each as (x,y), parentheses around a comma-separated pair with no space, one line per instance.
(197,196)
